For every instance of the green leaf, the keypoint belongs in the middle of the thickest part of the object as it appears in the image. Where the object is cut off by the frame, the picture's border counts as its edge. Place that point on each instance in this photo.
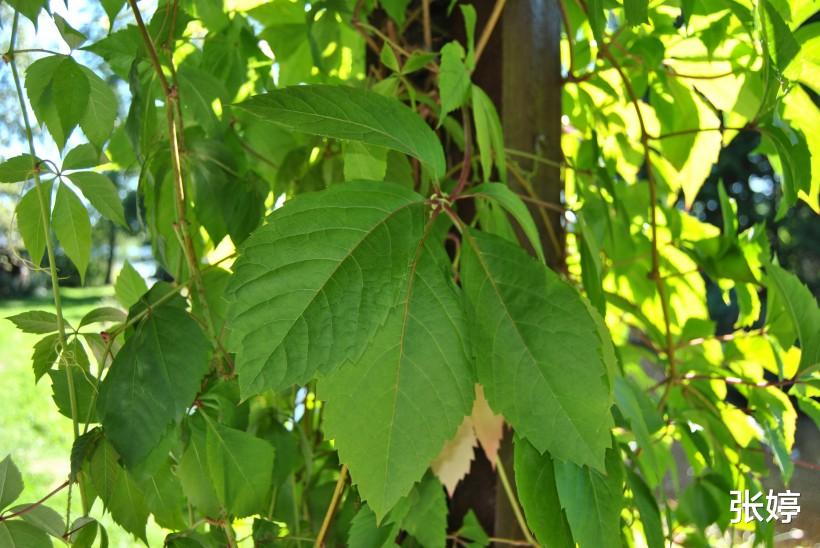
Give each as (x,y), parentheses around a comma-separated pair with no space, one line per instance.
(35,321)
(129,286)
(73,228)
(539,353)
(240,467)
(396,9)
(417,61)
(388,58)
(20,168)
(645,502)
(120,494)
(29,8)
(101,192)
(626,395)
(103,314)
(469,15)
(164,498)
(795,159)
(780,41)
(426,519)
(366,533)
(85,387)
(45,354)
(364,163)
(43,518)
(72,36)
(100,109)
(112,8)
(30,221)
(471,530)
(392,410)
(791,298)
(58,90)
(592,500)
(19,534)
(489,135)
(636,11)
(535,480)
(153,378)
(339,260)
(506,198)
(351,114)
(11,482)
(453,78)
(82,156)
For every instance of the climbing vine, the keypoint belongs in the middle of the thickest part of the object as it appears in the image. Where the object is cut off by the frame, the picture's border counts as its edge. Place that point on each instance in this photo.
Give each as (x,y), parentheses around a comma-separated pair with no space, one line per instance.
(356,295)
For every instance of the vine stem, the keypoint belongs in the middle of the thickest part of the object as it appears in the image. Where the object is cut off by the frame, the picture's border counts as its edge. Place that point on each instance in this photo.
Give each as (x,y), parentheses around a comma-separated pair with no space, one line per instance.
(653,221)
(488,28)
(516,508)
(43,201)
(34,505)
(175,131)
(331,508)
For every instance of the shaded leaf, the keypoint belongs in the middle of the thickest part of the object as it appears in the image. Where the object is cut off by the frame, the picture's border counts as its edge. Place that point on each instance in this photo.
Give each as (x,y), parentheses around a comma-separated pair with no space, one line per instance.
(35,321)
(11,482)
(101,192)
(30,220)
(73,228)
(352,114)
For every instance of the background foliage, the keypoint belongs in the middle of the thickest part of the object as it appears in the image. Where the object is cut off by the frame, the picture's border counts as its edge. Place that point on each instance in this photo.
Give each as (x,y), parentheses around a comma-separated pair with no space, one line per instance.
(353,285)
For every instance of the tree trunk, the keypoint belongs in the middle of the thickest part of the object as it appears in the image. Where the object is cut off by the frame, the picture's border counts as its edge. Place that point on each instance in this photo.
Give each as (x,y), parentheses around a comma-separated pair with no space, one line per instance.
(521,71)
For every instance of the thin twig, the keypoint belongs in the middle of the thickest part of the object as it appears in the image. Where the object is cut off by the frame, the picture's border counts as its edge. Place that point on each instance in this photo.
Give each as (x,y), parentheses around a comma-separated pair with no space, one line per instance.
(488,28)
(34,505)
(519,515)
(426,23)
(331,509)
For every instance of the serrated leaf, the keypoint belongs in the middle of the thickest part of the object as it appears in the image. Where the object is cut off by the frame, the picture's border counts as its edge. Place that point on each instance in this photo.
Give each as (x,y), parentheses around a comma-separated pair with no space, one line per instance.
(645,502)
(20,168)
(455,458)
(101,192)
(352,114)
(388,58)
(42,517)
(44,355)
(417,61)
(11,482)
(35,321)
(103,314)
(592,500)
(509,200)
(471,530)
(129,286)
(120,494)
(153,378)
(83,448)
(489,135)
(453,78)
(85,386)
(19,534)
(82,156)
(488,427)
(539,354)
(164,498)
(391,410)
(29,8)
(240,467)
(788,296)
(795,160)
(58,90)
(364,163)
(627,399)
(71,36)
(426,519)
(636,11)
(313,284)
(535,481)
(30,221)
(72,227)
(365,532)
(100,112)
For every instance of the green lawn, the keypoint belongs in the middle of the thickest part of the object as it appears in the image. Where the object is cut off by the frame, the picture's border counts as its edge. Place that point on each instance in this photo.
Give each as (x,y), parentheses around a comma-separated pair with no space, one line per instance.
(31,430)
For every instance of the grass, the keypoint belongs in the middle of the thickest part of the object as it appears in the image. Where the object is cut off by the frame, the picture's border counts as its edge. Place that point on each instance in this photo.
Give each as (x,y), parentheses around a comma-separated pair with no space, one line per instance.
(36,435)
